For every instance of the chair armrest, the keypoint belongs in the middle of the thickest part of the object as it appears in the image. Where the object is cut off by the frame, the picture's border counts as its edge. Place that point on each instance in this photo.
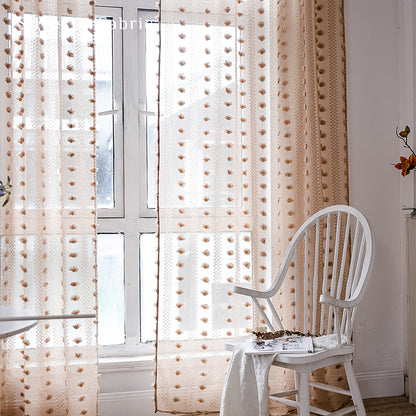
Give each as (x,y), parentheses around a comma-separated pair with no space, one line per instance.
(348,304)
(250,292)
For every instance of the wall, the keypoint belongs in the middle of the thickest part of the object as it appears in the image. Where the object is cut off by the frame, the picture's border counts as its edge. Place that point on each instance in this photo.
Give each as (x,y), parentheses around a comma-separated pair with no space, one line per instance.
(374,100)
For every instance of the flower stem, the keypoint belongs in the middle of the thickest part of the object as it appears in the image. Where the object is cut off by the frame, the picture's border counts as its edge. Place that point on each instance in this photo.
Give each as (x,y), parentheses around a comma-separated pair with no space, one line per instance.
(404,141)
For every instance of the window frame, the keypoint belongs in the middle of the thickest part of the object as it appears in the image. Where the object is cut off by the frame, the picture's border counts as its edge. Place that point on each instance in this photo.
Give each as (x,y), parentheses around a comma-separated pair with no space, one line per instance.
(143,15)
(135,218)
(117,113)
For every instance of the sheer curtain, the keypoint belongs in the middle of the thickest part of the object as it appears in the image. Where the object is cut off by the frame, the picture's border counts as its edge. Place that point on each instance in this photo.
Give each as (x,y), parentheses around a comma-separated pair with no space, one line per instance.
(48,229)
(252,142)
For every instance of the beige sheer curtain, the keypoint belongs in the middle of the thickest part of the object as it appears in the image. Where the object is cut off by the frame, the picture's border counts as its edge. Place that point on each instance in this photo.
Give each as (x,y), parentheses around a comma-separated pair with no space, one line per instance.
(48,229)
(252,142)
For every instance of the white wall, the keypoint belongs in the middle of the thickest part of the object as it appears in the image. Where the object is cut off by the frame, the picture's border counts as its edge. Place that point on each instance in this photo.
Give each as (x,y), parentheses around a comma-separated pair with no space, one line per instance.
(373,90)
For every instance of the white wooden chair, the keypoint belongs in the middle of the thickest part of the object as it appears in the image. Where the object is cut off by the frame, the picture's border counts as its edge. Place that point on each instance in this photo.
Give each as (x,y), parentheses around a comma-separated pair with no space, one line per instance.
(330,257)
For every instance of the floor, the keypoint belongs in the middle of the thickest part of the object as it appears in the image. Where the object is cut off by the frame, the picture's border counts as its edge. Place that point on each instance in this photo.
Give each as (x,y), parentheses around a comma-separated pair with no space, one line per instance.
(384,406)
(389,406)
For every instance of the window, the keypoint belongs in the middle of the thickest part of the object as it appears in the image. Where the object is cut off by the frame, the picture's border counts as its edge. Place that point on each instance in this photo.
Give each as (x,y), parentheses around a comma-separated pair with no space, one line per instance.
(126,82)
(126,67)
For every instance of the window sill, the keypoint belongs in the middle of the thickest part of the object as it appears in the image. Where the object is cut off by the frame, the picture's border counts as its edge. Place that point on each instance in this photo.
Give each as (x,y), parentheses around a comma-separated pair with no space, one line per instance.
(126,364)
(120,358)
(124,351)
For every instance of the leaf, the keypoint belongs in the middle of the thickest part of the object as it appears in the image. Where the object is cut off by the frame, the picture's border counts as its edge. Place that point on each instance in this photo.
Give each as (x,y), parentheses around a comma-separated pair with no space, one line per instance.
(407,129)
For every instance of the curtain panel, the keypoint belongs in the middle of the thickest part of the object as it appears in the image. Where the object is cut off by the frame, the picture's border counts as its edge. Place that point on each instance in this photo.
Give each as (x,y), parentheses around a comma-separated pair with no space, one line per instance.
(252,141)
(48,229)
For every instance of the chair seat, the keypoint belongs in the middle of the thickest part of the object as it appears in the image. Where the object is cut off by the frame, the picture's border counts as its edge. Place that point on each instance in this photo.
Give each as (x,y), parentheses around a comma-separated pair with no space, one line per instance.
(309,358)
(304,358)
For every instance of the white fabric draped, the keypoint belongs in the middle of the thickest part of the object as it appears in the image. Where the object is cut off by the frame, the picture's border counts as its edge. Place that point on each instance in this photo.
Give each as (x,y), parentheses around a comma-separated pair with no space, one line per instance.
(246,389)
(48,229)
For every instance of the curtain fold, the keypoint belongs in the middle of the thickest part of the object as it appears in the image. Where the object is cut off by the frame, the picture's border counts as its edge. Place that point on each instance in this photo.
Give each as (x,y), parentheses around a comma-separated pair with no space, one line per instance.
(48,229)
(252,141)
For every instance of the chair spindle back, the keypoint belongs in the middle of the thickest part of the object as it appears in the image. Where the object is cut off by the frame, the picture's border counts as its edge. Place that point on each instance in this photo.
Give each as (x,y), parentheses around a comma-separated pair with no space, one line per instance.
(330,255)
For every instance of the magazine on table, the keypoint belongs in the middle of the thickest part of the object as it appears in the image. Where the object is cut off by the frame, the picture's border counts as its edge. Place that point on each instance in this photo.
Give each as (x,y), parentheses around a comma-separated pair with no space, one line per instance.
(284,345)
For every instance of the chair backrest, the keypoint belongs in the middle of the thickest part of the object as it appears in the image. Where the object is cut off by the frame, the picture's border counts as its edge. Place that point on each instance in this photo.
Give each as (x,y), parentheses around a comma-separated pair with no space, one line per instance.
(330,254)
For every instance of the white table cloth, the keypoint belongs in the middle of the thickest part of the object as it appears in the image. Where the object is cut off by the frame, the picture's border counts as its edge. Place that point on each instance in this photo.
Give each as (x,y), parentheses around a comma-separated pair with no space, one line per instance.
(9,328)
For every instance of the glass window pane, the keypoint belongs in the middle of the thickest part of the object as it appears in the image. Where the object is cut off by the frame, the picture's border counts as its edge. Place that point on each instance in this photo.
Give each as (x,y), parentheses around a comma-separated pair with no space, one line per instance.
(205,131)
(152,57)
(211,287)
(148,271)
(104,97)
(110,259)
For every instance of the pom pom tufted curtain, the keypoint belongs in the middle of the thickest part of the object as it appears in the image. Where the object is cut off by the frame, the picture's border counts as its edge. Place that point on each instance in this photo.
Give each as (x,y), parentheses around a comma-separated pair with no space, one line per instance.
(252,142)
(48,229)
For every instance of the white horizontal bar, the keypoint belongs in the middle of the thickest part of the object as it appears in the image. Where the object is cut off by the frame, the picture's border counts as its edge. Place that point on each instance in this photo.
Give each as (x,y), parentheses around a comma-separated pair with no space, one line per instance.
(287,402)
(313,409)
(327,387)
(284,393)
(293,403)
(319,411)
(45,317)
(108,112)
(344,411)
(148,113)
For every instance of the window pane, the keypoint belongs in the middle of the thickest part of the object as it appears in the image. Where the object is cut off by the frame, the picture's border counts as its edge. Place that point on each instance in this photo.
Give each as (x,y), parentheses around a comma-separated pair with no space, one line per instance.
(49,113)
(152,56)
(104,93)
(148,271)
(110,259)
(203,132)
(210,287)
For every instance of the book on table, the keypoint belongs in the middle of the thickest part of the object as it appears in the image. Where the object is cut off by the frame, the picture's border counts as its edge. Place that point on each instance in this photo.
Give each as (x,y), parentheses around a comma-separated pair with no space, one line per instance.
(284,345)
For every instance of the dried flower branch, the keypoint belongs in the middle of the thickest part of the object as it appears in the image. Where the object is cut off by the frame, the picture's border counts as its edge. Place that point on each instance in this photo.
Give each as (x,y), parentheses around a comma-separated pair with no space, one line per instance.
(260,333)
(406,165)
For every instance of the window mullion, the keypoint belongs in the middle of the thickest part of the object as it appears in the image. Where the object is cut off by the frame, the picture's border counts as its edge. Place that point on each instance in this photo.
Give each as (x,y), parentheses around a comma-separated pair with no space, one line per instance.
(132,159)
(132,287)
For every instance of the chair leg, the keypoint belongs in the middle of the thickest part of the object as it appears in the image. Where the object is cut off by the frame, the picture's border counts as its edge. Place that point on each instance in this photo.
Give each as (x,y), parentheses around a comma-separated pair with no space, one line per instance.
(304,400)
(355,390)
(296,377)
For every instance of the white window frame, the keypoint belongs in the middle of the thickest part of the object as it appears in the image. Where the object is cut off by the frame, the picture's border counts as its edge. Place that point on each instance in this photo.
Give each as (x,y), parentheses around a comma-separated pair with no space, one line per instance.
(131,216)
(144,112)
(117,112)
